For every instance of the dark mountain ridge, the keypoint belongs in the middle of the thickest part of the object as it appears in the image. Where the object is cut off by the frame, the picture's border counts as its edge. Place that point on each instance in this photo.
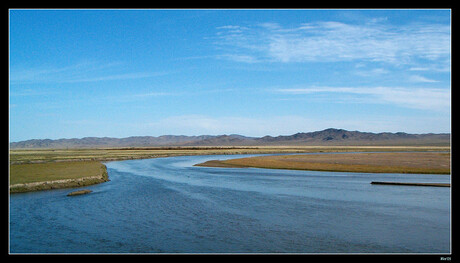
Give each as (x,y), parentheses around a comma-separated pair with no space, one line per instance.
(327,137)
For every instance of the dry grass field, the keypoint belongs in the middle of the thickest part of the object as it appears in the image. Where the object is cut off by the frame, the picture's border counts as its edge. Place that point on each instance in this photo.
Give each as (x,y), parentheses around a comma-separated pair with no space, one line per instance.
(388,162)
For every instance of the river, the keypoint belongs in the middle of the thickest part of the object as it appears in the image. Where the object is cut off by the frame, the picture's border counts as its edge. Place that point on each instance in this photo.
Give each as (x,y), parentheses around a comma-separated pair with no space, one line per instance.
(167,205)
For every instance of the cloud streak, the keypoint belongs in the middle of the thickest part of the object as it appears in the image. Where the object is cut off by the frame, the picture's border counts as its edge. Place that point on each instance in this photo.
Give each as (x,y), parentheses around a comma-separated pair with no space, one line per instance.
(418,78)
(416,98)
(331,41)
(76,73)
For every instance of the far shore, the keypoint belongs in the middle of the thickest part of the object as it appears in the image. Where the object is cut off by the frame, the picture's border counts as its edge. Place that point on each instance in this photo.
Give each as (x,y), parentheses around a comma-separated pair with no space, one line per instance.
(23,156)
(394,162)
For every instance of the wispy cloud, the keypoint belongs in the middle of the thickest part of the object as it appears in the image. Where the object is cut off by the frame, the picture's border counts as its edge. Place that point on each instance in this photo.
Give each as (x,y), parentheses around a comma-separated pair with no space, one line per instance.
(418,78)
(30,92)
(240,58)
(417,98)
(78,72)
(332,41)
(157,94)
(372,72)
(442,66)
(122,76)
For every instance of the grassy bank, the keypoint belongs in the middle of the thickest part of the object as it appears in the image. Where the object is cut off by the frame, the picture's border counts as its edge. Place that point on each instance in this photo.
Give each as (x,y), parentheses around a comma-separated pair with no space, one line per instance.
(52,175)
(394,162)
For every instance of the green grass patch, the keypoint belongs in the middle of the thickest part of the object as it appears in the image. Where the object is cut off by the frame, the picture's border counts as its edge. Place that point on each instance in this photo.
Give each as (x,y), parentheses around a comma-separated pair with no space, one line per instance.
(41,172)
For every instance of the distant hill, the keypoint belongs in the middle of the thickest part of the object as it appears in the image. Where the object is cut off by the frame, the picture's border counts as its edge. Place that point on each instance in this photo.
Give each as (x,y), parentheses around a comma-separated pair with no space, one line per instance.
(343,137)
(327,137)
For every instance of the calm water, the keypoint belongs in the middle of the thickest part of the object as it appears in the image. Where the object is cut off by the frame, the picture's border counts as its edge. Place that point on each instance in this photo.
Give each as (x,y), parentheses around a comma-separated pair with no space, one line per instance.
(166,205)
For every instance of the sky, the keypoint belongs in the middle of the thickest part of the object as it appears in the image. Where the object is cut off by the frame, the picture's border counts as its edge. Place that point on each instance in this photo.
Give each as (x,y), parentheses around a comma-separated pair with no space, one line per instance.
(256,72)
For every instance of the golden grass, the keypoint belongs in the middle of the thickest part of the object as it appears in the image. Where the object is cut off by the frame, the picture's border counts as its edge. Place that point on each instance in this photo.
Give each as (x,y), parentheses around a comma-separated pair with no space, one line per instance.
(395,162)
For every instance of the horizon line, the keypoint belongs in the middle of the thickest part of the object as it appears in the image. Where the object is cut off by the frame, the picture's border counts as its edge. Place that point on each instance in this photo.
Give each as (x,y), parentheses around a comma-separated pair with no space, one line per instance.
(218,135)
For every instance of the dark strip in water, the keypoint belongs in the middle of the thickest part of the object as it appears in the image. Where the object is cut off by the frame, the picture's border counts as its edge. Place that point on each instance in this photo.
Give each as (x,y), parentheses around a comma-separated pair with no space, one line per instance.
(414,184)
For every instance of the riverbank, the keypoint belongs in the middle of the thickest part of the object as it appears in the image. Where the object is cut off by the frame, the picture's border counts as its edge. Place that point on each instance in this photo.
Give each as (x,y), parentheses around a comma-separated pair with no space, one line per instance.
(46,176)
(43,169)
(394,162)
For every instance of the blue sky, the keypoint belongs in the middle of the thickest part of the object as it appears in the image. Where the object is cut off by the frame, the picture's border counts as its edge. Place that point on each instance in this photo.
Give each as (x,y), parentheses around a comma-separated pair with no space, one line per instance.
(120,73)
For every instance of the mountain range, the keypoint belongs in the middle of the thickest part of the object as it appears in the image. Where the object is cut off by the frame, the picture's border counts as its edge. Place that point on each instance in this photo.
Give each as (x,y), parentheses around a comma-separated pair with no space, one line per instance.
(327,137)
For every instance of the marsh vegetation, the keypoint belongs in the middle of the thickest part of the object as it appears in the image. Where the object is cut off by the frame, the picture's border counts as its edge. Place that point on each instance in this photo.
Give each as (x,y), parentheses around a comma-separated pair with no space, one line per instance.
(394,162)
